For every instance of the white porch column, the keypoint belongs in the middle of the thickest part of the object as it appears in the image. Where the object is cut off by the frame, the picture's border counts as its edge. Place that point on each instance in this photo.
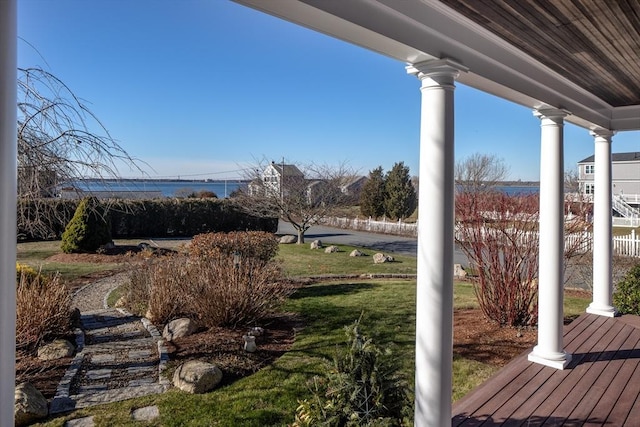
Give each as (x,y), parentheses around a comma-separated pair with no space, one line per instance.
(602,232)
(549,350)
(434,304)
(8,125)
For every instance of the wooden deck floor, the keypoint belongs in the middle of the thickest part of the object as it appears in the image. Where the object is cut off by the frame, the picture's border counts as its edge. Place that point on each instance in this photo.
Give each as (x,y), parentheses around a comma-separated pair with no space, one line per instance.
(600,387)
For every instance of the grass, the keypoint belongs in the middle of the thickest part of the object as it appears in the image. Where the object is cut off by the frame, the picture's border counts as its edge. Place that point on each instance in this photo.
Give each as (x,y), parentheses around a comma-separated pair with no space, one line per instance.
(299,260)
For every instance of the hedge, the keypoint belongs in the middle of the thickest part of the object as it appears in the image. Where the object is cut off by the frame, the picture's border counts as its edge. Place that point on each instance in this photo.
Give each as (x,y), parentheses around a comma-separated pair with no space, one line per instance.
(168,217)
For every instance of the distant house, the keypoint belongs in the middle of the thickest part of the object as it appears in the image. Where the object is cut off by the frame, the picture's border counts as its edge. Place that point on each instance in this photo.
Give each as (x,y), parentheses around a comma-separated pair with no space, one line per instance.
(275,178)
(352,186)
(625,173)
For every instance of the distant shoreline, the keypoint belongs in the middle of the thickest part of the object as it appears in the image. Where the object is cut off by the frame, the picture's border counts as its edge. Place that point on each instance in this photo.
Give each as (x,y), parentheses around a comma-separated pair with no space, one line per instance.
(221,181)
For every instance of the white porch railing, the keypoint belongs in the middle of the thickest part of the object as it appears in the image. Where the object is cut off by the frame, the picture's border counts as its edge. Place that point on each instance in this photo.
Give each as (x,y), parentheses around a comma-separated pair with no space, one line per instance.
(626,210)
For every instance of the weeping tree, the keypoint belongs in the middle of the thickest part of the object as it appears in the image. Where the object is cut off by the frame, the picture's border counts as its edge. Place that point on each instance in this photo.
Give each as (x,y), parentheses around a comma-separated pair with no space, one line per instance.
(59,140)
(301,196)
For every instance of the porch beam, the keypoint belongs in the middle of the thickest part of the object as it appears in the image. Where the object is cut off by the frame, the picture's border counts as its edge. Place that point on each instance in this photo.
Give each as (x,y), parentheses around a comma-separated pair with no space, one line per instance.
(434,300)
(8,173)
(602,227)
(549,350)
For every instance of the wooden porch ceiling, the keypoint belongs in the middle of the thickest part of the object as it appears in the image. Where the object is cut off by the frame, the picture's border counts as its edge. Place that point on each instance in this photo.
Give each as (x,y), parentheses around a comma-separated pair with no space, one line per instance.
(579,55)
(594,43)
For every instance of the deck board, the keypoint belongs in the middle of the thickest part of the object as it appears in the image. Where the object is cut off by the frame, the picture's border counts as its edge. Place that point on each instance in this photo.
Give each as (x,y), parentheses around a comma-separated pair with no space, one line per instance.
(600,386)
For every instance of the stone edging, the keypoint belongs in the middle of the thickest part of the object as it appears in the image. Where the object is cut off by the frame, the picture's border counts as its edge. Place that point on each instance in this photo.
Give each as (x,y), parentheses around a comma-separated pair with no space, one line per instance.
(62,402)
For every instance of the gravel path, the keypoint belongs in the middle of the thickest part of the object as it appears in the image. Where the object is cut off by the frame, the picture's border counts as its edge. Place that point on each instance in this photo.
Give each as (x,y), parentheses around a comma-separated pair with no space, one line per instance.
(94,295)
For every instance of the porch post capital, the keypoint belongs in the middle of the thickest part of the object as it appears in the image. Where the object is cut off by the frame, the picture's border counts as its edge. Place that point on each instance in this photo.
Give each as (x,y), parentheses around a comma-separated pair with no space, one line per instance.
(555,115)
(441,71)
(602,135)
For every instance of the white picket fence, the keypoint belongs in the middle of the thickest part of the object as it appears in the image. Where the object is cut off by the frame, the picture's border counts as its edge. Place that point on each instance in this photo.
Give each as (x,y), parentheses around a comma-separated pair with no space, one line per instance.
(399,228)
(628,245)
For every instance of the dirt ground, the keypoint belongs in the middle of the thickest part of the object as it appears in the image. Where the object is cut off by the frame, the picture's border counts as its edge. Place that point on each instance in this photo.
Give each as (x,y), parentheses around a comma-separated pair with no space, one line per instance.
(474,338)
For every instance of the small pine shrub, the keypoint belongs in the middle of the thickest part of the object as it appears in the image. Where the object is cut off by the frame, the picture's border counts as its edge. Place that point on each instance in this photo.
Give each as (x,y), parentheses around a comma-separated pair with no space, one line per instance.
(626,298)
(362,389)
(88,229)
(43,310)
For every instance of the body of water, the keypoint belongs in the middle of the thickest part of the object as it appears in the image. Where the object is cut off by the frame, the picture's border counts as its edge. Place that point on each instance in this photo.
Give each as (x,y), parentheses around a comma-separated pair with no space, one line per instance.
(222,188)
(514,190)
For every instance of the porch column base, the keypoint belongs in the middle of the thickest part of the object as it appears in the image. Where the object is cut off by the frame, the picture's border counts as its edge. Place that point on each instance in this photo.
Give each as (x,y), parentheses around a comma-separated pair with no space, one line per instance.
(602,310)
(550,359)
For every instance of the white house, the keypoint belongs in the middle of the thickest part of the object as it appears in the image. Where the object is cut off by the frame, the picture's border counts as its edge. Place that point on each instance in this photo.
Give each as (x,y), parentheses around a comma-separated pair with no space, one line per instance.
(274,179)
(625,176)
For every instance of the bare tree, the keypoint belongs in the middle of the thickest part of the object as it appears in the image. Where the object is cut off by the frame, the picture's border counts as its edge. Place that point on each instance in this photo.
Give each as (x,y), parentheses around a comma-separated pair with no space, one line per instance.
(571,181)
(480,172)
(59,140)
(301,196)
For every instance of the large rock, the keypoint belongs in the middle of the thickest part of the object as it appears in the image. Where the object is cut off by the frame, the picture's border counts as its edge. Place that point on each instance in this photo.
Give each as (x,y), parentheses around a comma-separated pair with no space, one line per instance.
(30,405)
(197,377)
(179,328)
(56,350)
(288,239)
(316,244)
(331,249)
(459,271)
(380,258)
(355,253)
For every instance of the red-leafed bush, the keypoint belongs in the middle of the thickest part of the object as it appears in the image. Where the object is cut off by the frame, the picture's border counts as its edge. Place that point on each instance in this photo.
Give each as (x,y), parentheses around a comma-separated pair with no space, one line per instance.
(247,244)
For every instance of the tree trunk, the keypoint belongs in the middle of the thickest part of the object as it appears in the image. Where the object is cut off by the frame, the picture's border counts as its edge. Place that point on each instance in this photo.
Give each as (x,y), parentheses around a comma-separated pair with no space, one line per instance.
(300,236)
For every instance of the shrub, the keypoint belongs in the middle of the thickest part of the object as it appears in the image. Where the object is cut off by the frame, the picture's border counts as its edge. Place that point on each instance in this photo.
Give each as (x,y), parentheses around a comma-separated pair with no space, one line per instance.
(22,269)
(626,298)
(213,289)
(248,244)
(43,310)
(362,388)
(88,229)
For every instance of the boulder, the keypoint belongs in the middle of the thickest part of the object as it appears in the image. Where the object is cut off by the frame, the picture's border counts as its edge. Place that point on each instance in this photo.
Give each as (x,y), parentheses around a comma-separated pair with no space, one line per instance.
(197,377)
(459,271)
(288,239)
(316,244)
(30,405)
(330,249)
(380,258)
(356,252)
(178,328)
(56,350)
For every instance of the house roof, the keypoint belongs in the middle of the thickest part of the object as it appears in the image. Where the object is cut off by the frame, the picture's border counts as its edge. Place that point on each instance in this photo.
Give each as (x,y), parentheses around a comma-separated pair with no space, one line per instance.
(582,56)
(289,170)
(617,157)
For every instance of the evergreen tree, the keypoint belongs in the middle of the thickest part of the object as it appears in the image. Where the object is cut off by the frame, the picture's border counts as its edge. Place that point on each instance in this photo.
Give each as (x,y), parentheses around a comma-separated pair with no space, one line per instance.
(372,195)
(400,196)
(88,229)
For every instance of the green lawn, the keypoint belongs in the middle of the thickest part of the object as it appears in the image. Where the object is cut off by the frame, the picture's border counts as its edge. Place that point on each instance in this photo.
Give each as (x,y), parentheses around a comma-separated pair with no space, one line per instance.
(269,397)
(299,260)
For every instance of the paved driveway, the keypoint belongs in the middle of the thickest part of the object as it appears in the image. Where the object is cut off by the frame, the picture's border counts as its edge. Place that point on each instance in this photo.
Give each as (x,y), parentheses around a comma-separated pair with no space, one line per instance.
(381,242)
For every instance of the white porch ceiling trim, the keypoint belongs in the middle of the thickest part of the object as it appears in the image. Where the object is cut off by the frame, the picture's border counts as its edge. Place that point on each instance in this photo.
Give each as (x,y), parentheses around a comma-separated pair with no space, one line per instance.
(417,30)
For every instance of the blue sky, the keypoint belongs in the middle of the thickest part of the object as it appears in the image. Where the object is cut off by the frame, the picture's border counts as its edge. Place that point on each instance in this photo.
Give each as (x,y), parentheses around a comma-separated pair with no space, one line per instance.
(203,88)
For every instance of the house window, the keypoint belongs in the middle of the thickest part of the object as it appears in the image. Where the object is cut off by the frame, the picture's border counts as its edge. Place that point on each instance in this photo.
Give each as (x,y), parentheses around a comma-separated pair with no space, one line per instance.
(588,189)
(588,169)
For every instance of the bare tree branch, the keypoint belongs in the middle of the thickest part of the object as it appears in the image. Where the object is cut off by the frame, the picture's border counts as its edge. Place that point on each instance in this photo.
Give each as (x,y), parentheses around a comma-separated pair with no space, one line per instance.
(59,140)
